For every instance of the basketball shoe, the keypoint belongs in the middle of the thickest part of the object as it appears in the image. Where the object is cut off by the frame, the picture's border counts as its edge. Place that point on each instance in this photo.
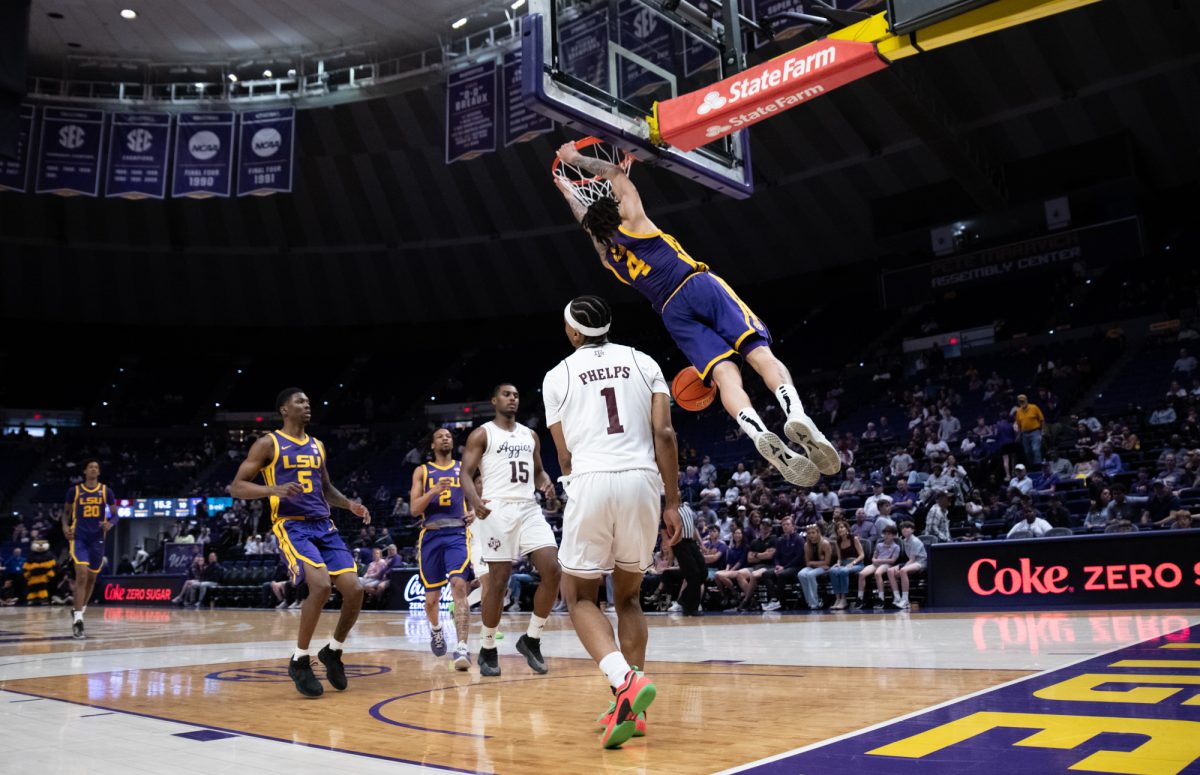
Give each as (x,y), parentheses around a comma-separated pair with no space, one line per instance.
(300,671)
(531,649)
(489,662)
(335,671)
(632,698)
(800,429)
(462,657)
(437,642)
(639,729)
(795,468)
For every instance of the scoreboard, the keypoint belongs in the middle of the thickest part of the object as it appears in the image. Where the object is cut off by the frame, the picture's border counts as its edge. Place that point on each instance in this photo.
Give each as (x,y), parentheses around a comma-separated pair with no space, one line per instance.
(177,508)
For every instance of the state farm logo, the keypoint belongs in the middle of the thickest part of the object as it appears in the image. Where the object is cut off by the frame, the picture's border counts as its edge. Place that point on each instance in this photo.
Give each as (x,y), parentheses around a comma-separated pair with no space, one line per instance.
(784,70)
(71,136)
(986,578)
(266,142)
(717,130)
(204,145)
(712,101)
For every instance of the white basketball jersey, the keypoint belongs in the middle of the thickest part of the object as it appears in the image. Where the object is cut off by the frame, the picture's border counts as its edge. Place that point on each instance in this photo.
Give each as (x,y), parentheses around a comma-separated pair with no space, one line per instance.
(507,463)
(601,394)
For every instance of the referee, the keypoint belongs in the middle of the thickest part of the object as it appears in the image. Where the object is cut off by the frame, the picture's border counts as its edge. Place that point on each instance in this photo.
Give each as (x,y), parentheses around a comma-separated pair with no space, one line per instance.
(691,563)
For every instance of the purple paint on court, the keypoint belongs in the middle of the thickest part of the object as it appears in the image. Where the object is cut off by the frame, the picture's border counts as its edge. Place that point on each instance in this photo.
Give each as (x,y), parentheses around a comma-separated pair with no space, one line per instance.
(984,753)
(204,735)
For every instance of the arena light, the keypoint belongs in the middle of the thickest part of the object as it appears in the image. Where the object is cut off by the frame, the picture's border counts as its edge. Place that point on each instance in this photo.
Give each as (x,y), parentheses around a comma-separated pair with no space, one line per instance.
(292,72)
(459,24)
(266,73)
(232,78)
(517,4)
(128,13)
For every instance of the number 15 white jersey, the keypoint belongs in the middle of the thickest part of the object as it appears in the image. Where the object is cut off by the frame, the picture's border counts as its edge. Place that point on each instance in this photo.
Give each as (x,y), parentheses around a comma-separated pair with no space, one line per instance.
(601,394)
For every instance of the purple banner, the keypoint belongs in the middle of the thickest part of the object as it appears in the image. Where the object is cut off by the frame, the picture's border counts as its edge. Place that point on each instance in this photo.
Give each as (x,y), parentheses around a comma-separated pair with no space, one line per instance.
(177,558)
(265,152)
(520,123)
(648,35)
(203,155)
(471,112)
(583,47)
(69,152)
(14,173)
(138,146)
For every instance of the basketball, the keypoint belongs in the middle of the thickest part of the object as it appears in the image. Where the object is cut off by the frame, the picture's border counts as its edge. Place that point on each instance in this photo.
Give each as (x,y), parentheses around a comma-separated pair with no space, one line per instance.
(690,392)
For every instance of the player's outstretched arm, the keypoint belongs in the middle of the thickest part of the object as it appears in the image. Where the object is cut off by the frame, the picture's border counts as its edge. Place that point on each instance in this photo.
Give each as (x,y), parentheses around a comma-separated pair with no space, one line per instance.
(666,455)
(541,479)
(633,214)
(472,454)
(260,456)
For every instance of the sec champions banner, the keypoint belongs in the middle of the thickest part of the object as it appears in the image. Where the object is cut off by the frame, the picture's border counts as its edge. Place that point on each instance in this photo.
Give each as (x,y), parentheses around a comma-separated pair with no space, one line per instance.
(69,152)
(138,145)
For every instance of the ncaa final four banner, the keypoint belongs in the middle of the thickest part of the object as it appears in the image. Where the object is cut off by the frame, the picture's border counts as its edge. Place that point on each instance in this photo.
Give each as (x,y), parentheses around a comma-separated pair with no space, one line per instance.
(265,152)
(69,152)
(14,172)
(203,155)
(471,112)
(138,144)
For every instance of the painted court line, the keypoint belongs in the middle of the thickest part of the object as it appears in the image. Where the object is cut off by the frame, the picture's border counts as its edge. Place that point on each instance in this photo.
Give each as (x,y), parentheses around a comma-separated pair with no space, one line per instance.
(750,766)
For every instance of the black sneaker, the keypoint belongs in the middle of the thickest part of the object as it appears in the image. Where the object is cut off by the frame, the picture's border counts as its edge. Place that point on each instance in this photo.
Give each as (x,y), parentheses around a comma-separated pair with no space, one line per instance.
(335,671)
(300,671)
(857,605)
(77,630)
(531,649)
(489,662)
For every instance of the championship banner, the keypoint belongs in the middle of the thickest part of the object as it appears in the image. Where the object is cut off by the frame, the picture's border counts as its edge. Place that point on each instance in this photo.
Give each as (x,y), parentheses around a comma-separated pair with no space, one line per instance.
(520,123)
(645,34)
(583,47)
(1113,569)
(14,173)
(203,155)
(266,152)
(697,118)
(138,145)
(1094,246)
(471,112)
(69,153)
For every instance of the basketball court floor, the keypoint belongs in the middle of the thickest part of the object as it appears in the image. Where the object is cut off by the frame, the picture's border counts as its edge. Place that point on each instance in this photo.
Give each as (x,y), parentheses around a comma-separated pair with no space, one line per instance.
(206,691)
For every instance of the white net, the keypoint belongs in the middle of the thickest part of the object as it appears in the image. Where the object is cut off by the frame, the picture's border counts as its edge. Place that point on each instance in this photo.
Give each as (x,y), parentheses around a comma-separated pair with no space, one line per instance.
(585,186)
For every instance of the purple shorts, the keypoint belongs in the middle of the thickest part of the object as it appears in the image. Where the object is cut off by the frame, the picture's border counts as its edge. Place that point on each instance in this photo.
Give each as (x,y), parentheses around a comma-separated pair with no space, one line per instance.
(709,323)
(88,551)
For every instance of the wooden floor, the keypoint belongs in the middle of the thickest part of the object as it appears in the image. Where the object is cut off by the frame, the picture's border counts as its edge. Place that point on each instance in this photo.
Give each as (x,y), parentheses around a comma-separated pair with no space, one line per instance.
(226,671)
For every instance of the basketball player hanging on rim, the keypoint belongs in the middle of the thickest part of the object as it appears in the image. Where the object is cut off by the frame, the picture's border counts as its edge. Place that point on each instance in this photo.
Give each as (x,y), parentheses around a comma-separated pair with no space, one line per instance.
(704,316)
(609,411)
(294,470)
(442,549)
(510,523)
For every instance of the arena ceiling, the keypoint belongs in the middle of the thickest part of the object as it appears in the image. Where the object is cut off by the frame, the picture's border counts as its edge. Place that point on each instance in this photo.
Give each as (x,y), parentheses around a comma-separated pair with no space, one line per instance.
(381,230)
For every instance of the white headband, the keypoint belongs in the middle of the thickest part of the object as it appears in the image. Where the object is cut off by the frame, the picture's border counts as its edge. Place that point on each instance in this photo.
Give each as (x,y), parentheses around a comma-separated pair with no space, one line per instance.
(585,330)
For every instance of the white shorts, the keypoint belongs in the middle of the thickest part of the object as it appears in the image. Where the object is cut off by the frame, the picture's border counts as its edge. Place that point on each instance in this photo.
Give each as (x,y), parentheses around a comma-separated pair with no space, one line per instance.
(476,551)
(611,520)
(513,529)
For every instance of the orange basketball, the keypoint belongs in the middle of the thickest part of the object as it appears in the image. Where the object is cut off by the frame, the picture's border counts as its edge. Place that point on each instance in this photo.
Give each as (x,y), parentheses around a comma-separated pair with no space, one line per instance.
(690,391)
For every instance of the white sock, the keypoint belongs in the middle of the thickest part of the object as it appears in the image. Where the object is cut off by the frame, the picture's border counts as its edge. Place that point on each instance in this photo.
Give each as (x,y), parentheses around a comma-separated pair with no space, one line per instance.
(299,652)
(436,627)
(336,645)
(83,609)
(487,637)
(78,616)
(789,400)
(536,625)
(615,668)
(750,423)
(462,646)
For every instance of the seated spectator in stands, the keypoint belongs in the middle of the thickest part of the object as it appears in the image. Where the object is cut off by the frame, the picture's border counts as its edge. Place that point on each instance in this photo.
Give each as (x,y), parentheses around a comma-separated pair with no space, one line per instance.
(710,494)
(870,434)
(884,556)
(884,517)
(1120,526)
(845,452)
(253,546)
(904,500)
(886,433)
(936,450)
(1185,363)
(1189,428)
(848,561)
(1195,390)
(940,480)
(823,500)
(708,472)
(915,560)
(1171,475)
(1100,513)
(1124,507)
(759,560)
(741,477)
(900,464)
(949,426)
(937,521)
(735,560)
(520,578)
(1142,486)
(971,450)
(375,581)
(1175,391)
(1174,447)
(689,483)
(732,493)
(1161,503)
(1181,519)
(1021,483)
(1056,513)
(195,576)
(1163,415)
(1045,480)
(872,502)
(1130,441)
(788,560)
(976,510)
(851,486)
(214,574)
(863,528)
(715,552)
(982,432)
(1031,526)
(818,554)
(725,524)
(1086,467)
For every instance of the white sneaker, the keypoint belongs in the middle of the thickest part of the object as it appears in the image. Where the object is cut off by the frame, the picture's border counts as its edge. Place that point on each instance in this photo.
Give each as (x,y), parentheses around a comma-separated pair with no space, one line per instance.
(796,469)
(462,657)
(282,605)
(675,608)
(772,606)
(801,430)
(902,602)
(294,605)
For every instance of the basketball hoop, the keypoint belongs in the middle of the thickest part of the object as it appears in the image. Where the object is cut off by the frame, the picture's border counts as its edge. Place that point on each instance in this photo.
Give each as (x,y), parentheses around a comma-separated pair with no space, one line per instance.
(586,187)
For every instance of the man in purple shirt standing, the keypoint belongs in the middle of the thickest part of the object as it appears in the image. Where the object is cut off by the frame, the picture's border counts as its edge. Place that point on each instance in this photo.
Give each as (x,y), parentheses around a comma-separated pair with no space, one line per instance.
(789,558)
